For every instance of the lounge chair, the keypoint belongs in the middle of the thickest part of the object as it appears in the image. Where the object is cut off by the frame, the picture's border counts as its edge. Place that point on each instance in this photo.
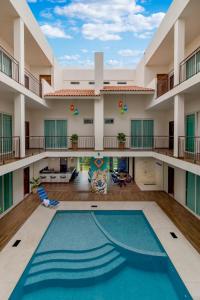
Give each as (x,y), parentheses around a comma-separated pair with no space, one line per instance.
(43,196)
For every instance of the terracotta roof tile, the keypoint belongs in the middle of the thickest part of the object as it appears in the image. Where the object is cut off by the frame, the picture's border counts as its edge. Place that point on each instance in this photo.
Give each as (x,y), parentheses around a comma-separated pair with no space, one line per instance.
(72,93)
(126,88)
(91,92)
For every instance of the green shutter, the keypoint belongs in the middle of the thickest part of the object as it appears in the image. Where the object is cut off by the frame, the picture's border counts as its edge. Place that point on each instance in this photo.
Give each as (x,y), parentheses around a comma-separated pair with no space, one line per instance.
(190,132)
(7,65)
(198,195)
(8,191)
(190,190)
(55,132)
(136,133)
(1,195)
(190,67)
(50,133)
(198,61)
(61,133)
(148,133)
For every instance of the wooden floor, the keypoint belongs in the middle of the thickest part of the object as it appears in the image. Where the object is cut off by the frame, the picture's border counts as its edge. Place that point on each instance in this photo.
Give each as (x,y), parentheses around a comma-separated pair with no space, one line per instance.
(187,223)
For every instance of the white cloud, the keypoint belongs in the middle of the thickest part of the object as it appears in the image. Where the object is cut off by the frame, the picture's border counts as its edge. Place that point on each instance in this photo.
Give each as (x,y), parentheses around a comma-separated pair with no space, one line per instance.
(130,53)
(110,18)
(73,57)
(54,32)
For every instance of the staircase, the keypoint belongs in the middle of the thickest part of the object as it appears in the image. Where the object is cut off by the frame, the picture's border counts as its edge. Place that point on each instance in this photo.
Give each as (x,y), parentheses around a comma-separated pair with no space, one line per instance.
(72,267)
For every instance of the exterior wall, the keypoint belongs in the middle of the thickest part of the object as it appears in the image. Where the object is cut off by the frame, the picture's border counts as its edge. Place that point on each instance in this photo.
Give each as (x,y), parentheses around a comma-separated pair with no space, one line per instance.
(148,173)
(60,109)
(136,110)
(179,184)
(85,76)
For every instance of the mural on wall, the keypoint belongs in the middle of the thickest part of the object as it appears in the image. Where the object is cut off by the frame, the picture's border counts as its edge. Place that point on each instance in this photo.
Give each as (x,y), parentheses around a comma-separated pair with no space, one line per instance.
(99,175)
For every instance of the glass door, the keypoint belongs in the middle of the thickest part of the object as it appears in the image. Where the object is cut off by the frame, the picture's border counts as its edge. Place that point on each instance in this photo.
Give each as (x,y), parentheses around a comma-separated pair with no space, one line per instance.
(136,133)
(190,133)
(55,132)
(190,190)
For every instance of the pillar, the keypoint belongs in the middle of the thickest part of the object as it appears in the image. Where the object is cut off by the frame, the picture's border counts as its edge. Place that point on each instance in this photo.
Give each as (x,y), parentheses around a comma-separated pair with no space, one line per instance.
(179,121)
(179,48)
(19,46)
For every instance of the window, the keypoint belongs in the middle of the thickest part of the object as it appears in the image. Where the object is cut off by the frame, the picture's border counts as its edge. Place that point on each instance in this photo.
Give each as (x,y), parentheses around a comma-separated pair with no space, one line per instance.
(5,64)
(75,82)
(5,133)
(121,82)
(106,82)
(109,121)
(91,82)
(55,132)
(6,192)
(193,192)
(142,133)
(88,121)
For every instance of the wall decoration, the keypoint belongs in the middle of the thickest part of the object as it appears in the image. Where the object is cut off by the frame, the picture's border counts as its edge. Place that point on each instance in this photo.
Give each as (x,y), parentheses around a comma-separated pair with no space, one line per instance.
(98,175)
(123,108)
(74,110)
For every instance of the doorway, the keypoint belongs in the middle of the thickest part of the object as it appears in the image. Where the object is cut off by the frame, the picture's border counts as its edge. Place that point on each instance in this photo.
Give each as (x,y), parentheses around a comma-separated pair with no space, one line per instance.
(27,134)
(171,181)
(171,135)
(26,181)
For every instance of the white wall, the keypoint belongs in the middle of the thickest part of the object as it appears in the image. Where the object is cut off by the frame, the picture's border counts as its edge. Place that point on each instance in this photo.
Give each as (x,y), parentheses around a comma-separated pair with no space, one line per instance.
(60,109)
(18,186)
(136,110)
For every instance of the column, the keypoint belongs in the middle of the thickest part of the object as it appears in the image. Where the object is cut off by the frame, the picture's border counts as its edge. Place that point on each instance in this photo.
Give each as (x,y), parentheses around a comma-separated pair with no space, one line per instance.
(19,46)
(179,121)
(19,121)
(179,48)
(99,103)
(99,123)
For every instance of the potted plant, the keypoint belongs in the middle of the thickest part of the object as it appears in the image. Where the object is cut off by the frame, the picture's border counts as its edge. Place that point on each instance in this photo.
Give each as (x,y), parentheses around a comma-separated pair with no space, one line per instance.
(74,141)
(35,182)
(121,140)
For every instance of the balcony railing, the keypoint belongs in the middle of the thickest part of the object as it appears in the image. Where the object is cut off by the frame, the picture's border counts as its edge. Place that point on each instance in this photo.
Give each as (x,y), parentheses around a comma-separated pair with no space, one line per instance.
(58,143)
(9,65)
(32,83)
(9,149)
(190,66)
(139,142)
(189,148)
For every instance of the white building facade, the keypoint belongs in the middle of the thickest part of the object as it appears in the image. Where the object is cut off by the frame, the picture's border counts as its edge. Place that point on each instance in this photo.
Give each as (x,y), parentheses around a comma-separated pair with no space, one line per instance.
(156,106)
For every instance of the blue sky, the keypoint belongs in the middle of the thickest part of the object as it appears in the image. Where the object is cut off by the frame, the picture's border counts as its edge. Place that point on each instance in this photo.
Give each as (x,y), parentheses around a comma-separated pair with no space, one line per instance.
(122,29)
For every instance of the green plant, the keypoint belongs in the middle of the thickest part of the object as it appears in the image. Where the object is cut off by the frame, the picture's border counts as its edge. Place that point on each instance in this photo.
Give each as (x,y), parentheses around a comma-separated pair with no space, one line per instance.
(35,182)
(121,138)
(74,138)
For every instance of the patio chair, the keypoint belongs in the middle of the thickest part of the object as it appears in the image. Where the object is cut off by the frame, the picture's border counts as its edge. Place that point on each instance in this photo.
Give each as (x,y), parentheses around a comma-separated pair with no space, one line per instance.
(43,196)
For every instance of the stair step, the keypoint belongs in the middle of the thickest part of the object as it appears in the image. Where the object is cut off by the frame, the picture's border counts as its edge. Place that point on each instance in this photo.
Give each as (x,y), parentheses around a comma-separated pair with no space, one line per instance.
(71,256)
(66,276)
(74,265)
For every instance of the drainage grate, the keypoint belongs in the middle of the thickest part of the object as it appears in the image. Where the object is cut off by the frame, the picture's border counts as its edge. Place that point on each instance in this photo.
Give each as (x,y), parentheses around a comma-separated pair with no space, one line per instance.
(16,243)
(94,206)
(173,235)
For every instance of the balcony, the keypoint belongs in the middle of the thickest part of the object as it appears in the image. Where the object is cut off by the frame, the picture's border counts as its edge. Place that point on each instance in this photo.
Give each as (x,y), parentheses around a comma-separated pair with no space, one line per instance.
(38,144)
(32,83)
(189,148)
(8,65)
(190,66)
(9,149)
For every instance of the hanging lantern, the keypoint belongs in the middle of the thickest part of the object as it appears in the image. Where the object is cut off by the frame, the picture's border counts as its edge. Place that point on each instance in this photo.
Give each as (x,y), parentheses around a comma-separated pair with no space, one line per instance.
(120,104)
(125,108)
(72,107)
(122,111)
(76,112)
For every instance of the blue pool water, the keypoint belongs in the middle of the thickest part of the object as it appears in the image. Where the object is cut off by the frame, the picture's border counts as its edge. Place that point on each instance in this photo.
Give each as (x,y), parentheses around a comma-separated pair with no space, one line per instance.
(98,256)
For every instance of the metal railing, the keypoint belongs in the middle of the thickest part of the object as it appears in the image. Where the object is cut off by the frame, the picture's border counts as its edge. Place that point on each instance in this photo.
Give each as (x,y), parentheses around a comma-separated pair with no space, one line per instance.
(189,148)
(138,142)
(58,143)
(9,148)
(9,65)
(190,66)
(32,83)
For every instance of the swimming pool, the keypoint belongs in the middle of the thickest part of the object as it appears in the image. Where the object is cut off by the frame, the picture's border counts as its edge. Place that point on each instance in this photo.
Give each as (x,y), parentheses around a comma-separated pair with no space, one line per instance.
(100,255)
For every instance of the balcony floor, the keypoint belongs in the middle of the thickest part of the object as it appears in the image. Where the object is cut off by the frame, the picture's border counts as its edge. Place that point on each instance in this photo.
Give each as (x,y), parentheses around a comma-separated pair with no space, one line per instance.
(79,191)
